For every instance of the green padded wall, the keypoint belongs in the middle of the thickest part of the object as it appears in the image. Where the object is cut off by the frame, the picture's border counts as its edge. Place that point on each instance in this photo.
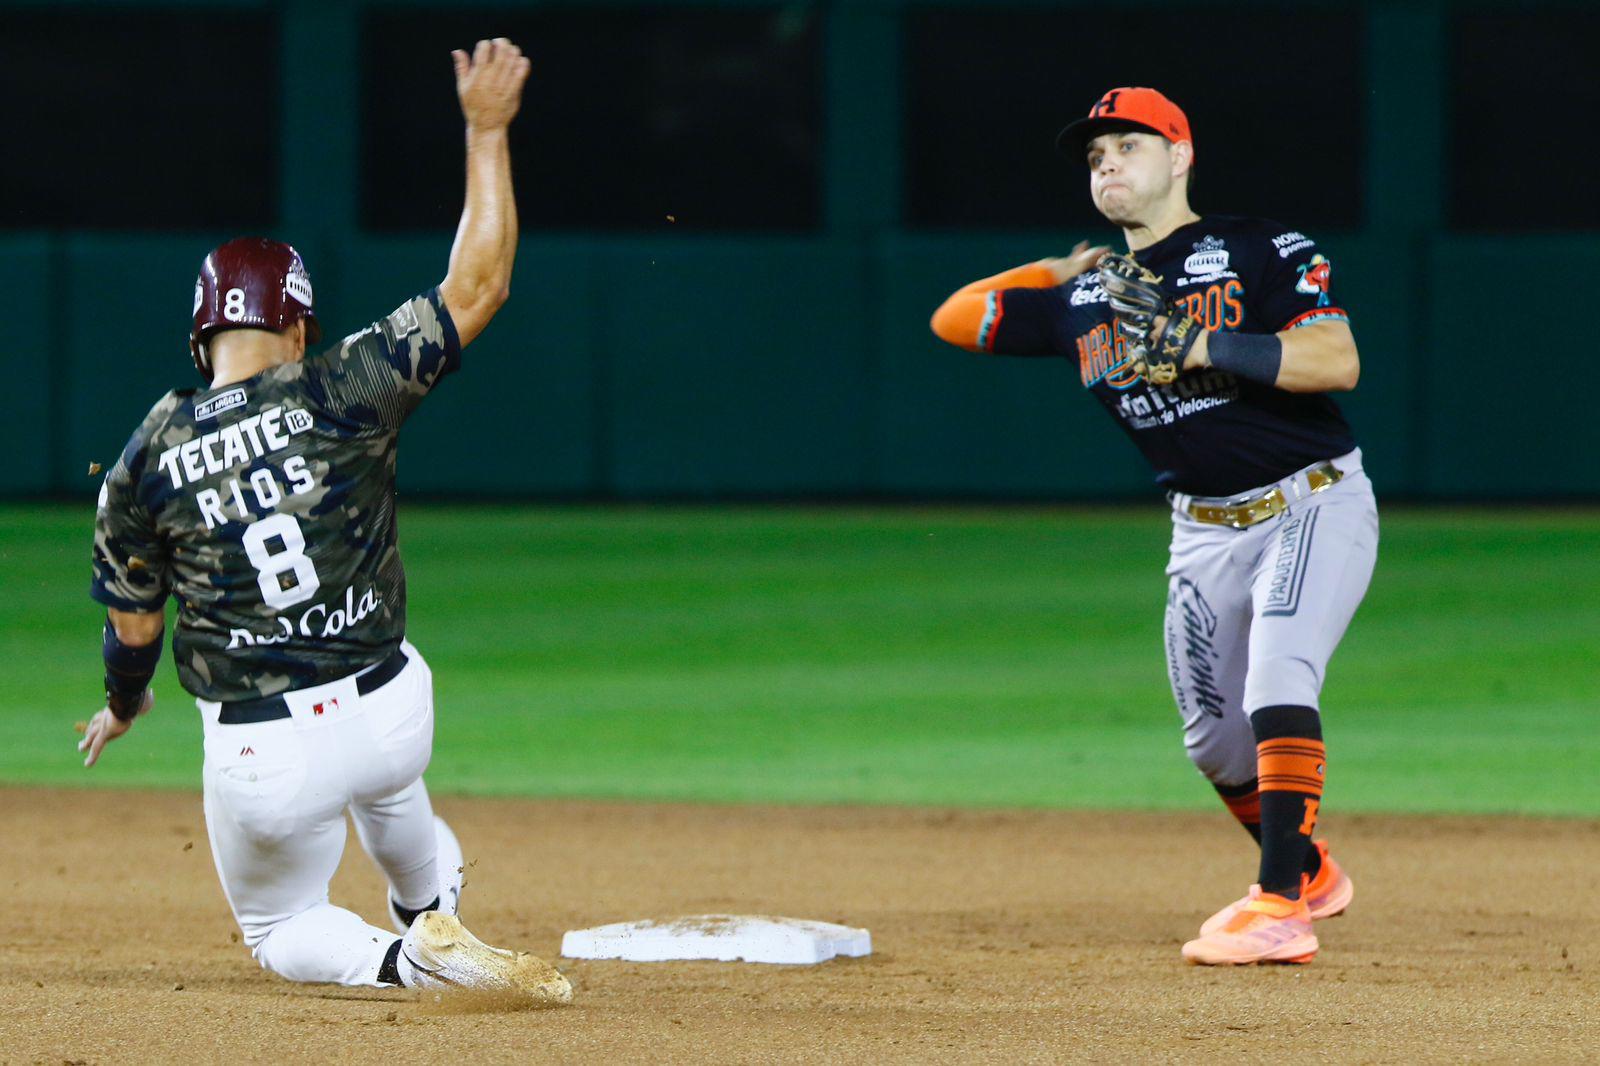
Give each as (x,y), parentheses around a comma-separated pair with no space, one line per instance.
(750,366)
(754,368)
(1504,414)
(520,416)
(32,371)
(953,422)
(733,367)
(124,343)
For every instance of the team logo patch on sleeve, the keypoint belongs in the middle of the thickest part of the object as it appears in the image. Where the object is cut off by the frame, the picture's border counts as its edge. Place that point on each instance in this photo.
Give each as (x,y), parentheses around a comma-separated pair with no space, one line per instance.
(1315,278)
(403,321)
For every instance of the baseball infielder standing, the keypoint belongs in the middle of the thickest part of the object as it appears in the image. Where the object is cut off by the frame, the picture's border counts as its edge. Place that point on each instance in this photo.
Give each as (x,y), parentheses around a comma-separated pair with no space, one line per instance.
(1214,344)
(265,504)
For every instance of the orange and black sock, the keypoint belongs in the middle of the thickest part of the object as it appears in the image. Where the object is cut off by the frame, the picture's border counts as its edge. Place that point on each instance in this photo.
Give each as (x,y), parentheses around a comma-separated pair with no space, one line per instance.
(1290,765)
(1244,803)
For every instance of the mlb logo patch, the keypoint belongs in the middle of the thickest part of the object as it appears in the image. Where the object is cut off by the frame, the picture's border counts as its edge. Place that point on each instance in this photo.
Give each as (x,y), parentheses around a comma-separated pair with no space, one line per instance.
(325,707)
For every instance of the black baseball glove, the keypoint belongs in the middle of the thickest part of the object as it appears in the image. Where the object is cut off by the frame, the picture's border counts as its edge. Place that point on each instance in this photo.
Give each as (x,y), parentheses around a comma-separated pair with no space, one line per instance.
(1137,300)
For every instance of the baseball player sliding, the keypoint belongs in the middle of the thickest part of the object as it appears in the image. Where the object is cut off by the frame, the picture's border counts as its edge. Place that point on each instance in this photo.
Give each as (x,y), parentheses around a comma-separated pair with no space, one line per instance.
(1214,344)
(264,503)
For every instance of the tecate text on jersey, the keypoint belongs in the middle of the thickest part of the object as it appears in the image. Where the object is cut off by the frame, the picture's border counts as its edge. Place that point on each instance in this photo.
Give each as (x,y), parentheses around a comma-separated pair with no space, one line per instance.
(252,437)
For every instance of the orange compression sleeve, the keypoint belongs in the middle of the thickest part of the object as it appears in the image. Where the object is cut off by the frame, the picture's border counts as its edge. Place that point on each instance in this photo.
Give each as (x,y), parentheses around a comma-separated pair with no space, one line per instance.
(960,319)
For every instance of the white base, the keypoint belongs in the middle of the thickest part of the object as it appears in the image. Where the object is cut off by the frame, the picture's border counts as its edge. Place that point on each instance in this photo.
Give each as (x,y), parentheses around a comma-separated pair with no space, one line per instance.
(720,937)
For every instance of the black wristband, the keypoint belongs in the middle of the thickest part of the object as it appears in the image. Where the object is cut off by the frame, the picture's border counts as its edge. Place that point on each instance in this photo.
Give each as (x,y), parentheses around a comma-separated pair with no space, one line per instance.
(128,671)
(1255,356)
(124,708)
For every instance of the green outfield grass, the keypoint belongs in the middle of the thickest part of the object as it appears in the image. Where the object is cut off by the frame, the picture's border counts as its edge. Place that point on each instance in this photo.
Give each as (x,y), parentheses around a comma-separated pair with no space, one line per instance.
(946,656)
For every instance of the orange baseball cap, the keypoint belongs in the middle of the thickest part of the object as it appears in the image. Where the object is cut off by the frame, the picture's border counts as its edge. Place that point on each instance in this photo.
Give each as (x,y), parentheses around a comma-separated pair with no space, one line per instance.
(1125,108)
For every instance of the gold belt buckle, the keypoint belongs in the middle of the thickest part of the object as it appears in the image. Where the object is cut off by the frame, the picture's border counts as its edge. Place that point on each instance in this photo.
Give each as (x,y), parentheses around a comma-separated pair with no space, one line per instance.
(1268,506)
(1242,516)
(1320,477)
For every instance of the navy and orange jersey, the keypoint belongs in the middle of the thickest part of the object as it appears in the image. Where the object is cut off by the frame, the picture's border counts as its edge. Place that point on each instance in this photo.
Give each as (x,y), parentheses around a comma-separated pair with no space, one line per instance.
(1209,433)
(266,508)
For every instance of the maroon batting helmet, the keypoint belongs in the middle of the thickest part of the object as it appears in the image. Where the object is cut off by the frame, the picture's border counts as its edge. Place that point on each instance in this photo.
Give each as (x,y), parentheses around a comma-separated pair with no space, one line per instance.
(249,283)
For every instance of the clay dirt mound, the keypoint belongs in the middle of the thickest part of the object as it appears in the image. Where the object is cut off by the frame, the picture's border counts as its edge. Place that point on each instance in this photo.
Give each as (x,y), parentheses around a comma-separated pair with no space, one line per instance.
(1016,936)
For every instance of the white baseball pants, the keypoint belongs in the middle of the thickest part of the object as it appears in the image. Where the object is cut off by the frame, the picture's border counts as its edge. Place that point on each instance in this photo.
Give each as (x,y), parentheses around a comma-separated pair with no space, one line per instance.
(275,799)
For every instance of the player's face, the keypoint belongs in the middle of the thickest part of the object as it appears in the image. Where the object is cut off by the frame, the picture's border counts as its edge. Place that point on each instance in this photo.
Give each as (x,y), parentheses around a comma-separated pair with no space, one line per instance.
(1129,173)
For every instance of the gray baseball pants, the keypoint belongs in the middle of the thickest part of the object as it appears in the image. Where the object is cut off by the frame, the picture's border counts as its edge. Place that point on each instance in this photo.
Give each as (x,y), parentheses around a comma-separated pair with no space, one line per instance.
(1253,615)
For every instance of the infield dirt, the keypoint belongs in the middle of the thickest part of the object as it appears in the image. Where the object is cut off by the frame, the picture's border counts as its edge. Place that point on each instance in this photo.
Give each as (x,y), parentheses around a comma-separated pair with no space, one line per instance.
(999,936)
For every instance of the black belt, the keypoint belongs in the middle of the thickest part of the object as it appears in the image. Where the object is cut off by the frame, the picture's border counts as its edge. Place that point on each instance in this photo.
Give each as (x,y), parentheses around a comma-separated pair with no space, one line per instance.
(271,708)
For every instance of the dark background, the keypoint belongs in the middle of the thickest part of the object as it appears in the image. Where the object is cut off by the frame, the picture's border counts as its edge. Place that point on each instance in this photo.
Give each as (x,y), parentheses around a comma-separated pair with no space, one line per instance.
(737,218)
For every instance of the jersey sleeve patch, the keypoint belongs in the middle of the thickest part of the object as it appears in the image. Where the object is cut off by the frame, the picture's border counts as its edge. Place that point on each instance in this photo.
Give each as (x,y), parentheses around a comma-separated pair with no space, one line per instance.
(381,374)
(1295,285)
(403,322)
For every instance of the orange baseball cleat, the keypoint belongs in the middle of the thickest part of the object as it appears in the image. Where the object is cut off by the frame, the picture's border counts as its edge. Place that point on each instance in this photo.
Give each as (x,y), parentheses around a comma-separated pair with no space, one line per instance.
(1267,928)
(1326,895)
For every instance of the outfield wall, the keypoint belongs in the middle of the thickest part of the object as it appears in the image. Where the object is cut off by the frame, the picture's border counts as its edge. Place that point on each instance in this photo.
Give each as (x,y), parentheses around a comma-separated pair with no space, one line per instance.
(685,363)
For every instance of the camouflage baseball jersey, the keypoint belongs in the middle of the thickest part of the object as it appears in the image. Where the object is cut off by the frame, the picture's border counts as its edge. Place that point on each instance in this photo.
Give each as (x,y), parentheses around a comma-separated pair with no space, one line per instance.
(267,508)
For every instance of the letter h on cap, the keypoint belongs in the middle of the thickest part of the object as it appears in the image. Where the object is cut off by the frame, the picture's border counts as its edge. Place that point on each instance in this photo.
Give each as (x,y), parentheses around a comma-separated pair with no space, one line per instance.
(1107,104)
